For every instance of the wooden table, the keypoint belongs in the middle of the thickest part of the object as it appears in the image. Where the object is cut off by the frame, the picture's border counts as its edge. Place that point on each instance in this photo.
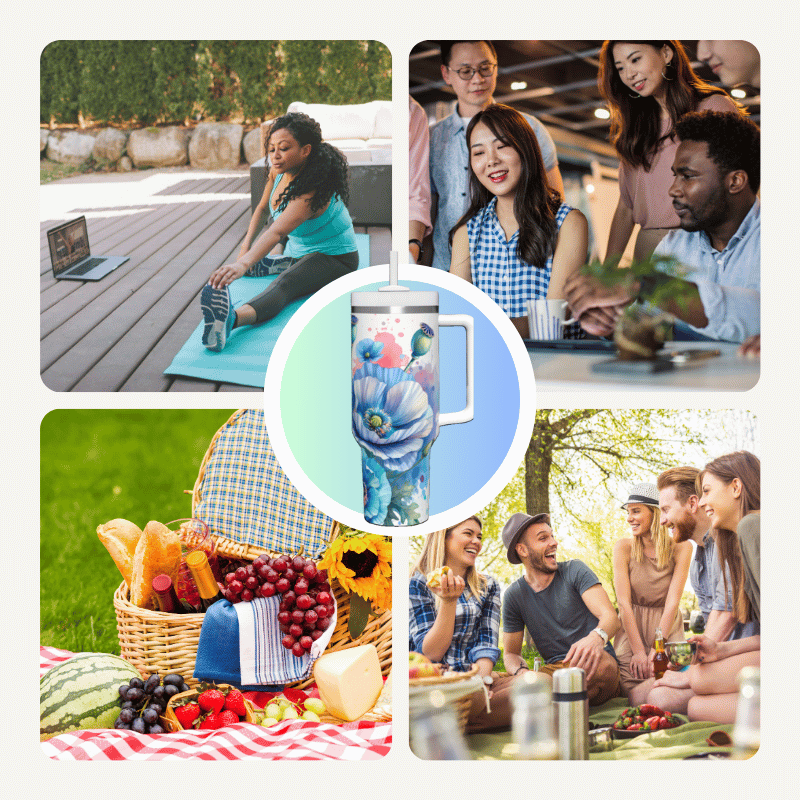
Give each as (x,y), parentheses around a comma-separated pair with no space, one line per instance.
(177,225)
(557,370)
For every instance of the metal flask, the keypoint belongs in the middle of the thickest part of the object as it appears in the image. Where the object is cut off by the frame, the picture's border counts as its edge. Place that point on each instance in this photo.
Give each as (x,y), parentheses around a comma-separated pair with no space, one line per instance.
(571,703)
(395,413)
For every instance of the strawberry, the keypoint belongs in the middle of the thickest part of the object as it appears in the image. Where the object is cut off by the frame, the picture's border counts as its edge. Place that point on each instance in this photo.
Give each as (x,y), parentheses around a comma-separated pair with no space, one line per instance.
(211,720)
(235,702)
(211,700)
(227,717)
(187,714)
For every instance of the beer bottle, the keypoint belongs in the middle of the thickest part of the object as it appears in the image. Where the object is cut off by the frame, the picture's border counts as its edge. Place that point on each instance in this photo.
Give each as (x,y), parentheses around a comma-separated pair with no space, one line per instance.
(660,660)
(204,579)
(747,728)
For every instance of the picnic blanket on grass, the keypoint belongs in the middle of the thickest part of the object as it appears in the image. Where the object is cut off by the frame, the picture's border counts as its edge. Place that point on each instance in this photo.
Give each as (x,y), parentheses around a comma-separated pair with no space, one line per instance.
(247,352)
(293,740)
(688,739)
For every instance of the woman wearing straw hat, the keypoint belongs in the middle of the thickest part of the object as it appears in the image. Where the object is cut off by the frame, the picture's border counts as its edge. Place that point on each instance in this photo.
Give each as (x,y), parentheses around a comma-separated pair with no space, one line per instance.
(650,573)
(454,617)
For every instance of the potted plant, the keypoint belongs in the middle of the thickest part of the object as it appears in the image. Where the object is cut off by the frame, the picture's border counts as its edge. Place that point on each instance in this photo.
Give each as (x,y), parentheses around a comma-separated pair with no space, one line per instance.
(642,328)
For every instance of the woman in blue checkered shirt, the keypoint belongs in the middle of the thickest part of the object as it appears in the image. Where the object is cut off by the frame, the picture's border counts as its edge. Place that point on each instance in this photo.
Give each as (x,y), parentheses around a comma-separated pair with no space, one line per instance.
(454,618)
(517,241)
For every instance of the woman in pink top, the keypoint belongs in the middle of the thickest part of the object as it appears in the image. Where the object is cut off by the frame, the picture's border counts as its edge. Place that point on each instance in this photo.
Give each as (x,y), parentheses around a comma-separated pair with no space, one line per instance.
(648,87)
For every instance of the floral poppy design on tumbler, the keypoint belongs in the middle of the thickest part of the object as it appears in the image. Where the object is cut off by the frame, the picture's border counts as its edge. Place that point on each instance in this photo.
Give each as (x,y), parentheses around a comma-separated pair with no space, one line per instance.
(395,369)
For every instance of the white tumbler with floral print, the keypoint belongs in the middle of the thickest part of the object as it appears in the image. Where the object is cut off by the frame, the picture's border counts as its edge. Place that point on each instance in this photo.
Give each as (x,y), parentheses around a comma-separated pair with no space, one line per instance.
(396,419)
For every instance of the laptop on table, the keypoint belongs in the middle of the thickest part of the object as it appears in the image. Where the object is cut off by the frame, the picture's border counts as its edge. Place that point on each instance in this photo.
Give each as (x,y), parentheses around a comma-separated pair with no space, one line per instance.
(70,255)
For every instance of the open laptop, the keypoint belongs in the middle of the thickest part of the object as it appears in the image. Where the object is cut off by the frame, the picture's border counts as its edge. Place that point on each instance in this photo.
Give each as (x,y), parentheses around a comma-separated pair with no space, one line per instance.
(70,256)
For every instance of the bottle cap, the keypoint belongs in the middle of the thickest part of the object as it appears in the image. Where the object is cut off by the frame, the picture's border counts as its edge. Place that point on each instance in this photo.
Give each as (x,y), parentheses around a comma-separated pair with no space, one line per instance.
(162,584)
(571,680)
(196,559)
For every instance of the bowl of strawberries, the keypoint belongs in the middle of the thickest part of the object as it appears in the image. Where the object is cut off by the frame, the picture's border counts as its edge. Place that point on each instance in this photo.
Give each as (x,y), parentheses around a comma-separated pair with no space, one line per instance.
(646,718)
(209,706)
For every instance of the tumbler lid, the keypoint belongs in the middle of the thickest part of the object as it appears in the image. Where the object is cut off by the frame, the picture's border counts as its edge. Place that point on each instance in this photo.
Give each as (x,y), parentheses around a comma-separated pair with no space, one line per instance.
(394,297)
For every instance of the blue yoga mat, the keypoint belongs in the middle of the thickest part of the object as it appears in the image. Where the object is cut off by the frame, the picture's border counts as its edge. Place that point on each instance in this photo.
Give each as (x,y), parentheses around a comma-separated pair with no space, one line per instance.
(247,352)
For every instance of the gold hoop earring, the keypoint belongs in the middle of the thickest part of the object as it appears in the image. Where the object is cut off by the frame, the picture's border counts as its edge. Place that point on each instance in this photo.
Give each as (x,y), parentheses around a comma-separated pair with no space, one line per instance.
(663,70)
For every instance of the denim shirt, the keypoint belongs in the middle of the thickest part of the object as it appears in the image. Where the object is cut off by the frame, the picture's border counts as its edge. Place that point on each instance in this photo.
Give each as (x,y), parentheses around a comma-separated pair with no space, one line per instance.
(450,176)
(729,281)
(700,574)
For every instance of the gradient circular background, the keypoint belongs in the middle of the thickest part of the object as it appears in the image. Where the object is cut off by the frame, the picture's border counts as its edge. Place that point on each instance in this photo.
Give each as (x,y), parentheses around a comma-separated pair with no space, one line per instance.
(313,404)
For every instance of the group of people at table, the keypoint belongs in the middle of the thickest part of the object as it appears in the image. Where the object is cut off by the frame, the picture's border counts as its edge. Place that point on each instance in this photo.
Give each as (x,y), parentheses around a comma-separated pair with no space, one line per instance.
(569,616)
(689,176)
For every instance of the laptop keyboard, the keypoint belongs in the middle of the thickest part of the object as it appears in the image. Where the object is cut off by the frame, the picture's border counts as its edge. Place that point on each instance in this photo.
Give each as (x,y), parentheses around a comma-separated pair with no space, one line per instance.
(86,266)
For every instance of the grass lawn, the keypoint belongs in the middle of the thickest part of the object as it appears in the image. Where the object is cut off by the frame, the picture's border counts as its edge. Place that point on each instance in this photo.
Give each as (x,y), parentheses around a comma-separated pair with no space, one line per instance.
(99,465)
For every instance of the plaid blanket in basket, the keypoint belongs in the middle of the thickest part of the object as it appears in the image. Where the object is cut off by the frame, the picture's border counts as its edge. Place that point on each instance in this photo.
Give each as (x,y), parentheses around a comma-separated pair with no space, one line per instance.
(245,495)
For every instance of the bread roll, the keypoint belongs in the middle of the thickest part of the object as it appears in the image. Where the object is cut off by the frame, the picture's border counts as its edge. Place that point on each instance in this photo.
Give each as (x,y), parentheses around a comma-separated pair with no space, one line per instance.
(120,538)
(158,552)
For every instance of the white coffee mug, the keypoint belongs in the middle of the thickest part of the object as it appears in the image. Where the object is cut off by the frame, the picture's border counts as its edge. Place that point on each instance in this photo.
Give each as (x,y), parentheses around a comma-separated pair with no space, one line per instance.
(547,318)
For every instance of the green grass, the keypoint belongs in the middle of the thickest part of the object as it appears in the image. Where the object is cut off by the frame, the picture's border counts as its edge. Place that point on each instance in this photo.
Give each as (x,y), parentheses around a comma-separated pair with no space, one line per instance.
(528,653)
(53,171)
(96,466)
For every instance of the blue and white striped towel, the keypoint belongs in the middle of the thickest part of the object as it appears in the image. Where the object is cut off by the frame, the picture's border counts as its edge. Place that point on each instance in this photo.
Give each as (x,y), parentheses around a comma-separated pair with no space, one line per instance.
(262,657)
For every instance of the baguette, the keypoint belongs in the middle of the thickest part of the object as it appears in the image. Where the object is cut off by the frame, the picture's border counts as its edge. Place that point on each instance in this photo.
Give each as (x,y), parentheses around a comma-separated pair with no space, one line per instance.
(158,552)
(120,538)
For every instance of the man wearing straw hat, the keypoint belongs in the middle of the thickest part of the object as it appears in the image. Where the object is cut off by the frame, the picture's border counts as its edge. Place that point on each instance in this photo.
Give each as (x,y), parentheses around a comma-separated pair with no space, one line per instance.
(563,606)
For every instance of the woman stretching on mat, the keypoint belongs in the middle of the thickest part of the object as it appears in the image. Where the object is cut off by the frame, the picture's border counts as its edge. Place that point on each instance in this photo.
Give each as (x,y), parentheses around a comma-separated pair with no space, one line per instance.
(307,195)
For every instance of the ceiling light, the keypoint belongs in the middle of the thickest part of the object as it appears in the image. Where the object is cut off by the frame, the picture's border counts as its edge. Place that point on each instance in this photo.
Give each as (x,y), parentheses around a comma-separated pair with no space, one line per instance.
(740,93)
(518,86)
(602,113)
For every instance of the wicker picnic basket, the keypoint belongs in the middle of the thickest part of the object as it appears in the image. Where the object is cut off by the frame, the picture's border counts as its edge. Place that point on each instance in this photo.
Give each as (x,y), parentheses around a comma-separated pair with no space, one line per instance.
(155,642)
(461,705)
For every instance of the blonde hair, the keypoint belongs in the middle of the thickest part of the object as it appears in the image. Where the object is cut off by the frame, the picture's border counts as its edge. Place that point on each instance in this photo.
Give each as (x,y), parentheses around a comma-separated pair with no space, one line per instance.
(433,557)
(661,539)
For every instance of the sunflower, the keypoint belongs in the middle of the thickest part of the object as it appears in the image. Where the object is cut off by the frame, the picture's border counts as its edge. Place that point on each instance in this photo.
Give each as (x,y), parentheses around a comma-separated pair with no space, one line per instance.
(362,563)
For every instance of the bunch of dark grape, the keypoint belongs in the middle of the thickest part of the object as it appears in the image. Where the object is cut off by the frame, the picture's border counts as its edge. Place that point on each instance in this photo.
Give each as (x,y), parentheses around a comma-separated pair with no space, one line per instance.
(307,605)
(143,702)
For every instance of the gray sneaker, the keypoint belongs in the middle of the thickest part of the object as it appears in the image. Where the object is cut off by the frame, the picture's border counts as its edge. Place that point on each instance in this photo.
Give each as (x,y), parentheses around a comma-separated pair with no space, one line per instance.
(218,315)
(269,266)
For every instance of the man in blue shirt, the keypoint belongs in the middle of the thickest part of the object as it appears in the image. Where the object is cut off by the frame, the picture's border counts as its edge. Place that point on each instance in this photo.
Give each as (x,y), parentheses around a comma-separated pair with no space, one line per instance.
(470,68)
(717,174)
(681,513)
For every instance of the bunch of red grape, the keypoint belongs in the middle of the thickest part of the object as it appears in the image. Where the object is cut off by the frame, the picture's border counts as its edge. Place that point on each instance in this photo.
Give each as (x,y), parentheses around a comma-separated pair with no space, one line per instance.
(307,605)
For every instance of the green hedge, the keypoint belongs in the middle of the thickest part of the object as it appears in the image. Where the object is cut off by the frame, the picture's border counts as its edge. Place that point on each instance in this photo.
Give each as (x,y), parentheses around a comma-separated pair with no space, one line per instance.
(148,82)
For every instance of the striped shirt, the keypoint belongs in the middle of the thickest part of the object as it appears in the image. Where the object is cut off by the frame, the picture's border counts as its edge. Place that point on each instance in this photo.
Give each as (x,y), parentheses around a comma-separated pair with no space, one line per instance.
(477,627)
(497,269)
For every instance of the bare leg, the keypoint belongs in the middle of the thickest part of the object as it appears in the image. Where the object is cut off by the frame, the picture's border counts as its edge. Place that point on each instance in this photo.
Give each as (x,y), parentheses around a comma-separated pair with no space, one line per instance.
(669,699)
(720,677)
(719,708)
(604,684)
(245,315)
(638,694)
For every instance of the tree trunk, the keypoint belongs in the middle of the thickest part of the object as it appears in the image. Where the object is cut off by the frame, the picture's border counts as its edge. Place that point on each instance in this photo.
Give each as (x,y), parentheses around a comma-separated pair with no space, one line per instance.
(538,460)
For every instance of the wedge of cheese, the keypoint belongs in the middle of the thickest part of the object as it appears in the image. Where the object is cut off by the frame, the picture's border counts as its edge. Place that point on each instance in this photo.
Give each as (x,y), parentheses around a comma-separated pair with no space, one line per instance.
(349,681)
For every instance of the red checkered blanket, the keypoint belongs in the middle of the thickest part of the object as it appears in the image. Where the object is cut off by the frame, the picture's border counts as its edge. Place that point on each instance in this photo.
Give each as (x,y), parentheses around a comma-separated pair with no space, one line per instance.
(291,740)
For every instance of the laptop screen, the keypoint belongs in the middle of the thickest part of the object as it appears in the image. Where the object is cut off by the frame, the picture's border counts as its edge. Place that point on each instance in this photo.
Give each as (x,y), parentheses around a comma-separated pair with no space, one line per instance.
(69,243)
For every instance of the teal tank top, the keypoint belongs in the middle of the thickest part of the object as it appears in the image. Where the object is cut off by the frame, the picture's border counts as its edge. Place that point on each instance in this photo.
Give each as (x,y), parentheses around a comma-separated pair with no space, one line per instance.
(331,232)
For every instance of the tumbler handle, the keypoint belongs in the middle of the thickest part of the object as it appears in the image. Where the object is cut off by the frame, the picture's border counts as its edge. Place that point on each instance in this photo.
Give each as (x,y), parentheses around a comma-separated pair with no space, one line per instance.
(466,322)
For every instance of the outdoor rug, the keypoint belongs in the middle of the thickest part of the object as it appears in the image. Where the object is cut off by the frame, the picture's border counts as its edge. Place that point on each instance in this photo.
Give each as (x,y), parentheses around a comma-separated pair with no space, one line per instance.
(688,740)
(247,352)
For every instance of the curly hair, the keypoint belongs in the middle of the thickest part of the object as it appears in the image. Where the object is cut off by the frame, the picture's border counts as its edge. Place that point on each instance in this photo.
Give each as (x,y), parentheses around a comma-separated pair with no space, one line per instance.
(636,121)
(324,173)
(734,142)
(535,202)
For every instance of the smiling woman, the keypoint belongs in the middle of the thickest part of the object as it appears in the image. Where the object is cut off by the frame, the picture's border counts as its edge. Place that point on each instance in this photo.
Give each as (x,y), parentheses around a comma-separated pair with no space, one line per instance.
(517,241)
(454,616)
(649,86)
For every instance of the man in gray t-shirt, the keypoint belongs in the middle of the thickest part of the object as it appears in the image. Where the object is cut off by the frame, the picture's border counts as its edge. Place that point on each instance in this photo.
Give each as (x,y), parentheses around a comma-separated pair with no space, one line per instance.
(563,606)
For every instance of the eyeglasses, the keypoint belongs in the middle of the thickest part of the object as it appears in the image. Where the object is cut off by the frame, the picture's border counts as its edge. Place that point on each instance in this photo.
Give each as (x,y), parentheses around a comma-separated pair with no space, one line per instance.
(466,73)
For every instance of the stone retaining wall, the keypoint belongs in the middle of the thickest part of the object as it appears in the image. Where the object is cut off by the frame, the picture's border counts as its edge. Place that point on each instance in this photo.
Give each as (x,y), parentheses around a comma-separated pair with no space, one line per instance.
(210,146)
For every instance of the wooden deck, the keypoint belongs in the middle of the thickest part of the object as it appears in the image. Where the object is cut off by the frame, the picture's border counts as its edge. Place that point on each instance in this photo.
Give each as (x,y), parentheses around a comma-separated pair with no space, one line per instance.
(177,226)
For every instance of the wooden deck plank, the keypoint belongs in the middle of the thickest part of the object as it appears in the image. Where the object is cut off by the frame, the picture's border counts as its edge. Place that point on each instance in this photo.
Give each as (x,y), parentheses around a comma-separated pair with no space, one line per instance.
(149,344)
(119,334)
(70,351)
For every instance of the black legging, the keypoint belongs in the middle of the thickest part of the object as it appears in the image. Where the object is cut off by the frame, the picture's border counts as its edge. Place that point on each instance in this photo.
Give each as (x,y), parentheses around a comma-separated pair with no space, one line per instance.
(305,276)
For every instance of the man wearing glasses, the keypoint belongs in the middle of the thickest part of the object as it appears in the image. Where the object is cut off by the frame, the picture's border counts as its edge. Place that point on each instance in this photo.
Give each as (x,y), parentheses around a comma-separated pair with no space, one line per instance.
(471,69)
